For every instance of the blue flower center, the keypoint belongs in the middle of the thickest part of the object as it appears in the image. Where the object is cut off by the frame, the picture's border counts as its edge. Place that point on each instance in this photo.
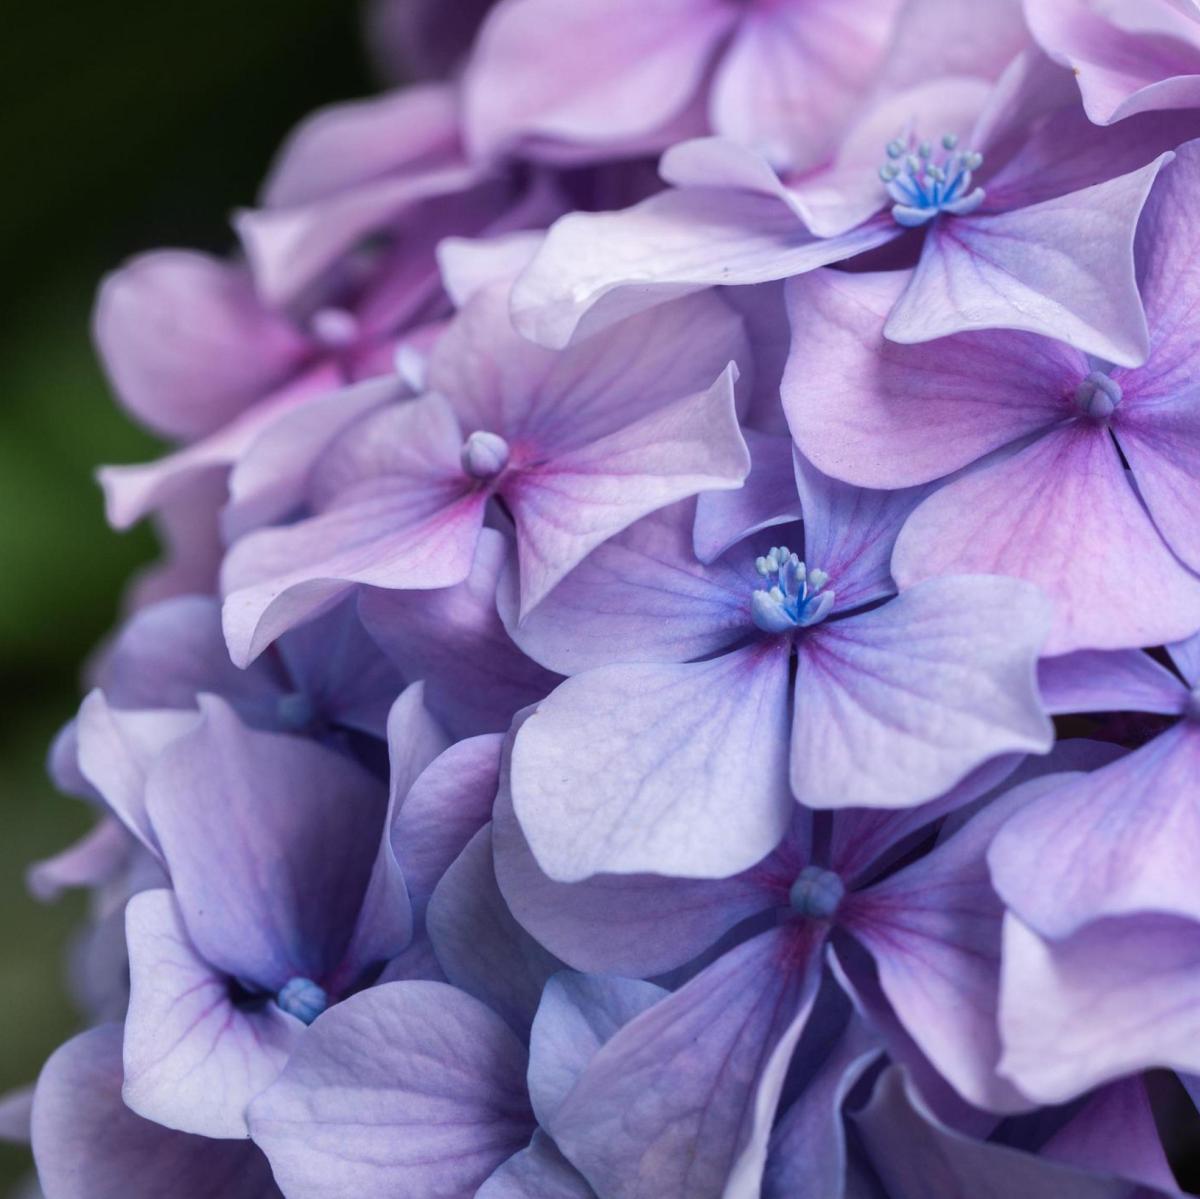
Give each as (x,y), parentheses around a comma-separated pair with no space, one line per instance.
(484,455)
(1098,396)
(817,893)
(1191,705)
(302,998)
(792,596)
(924,182)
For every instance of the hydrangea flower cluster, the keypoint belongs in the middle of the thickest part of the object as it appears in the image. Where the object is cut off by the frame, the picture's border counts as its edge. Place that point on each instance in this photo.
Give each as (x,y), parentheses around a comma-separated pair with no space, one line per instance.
(676,685)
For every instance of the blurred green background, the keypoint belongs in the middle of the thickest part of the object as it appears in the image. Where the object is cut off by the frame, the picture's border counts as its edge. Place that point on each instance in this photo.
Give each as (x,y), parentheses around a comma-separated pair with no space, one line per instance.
(124,127)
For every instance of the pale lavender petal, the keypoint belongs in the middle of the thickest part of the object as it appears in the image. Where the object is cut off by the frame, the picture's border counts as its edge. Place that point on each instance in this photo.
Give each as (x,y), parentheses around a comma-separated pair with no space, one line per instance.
(193,1058)
(117,751)
(933,930)
(1061,514)
(386,918)
(538,1172)
(917,1156)
(476,678)
(808,1146)
(1120,995)
(546,403)
(1186,656)
(448,803)
(897,705)
(578,1014)
(642,596)
(89,1145)
(1109,681)
(849,533)
(633,924)
(597,268)
(867,410)
(578,500)
(270,472)
(397,536)
(1115,1131)
(766,499)
(794,74)
(1115,842)
(187,343)
(615,71)
(1062,268)
(675,769)
(408,1090)
(478,942)
(291,883)
(89,862)
(667,1104)
(349,144)
(1120,71)
(170,652)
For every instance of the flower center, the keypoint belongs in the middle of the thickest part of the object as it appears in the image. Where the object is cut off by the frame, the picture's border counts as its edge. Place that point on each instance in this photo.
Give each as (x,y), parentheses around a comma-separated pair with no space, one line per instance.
(1098,396)
(484,455)
(1191,705)
(302,998)
(924,184)
(792,596)
(817,893)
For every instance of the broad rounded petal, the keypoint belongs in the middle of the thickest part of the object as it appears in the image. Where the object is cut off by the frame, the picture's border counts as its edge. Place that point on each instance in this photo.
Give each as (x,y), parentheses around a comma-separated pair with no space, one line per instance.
(171,651)
(933,929)
(16,1110)
(597,268)
(593,71)
(795,72)
(478,942)
(89,1145)
(633,924)
(808,1146)
(1117,997)
(579,499)
(93,860)
(1108,681)
(538,1172)
(642,596)
(450,801)
(667,1104)
(193,1059)
(674,769)
(349,144)
(1119,71)
(475,677)
(277,578)
(766,499)
(289,247)
(849,533)
(1059,513)
(577,1015)
(995,271)
(879,414)
(897,705)
(547,404)
(271,470)
(1116,1131)
(1186,656)
(916,1155)
(278,900)
(187,343)
(1117,841)
(409,1090)
(117,750)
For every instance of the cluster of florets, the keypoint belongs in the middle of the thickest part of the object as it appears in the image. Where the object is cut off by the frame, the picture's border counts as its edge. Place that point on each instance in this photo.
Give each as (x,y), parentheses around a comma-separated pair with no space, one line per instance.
(662,688)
